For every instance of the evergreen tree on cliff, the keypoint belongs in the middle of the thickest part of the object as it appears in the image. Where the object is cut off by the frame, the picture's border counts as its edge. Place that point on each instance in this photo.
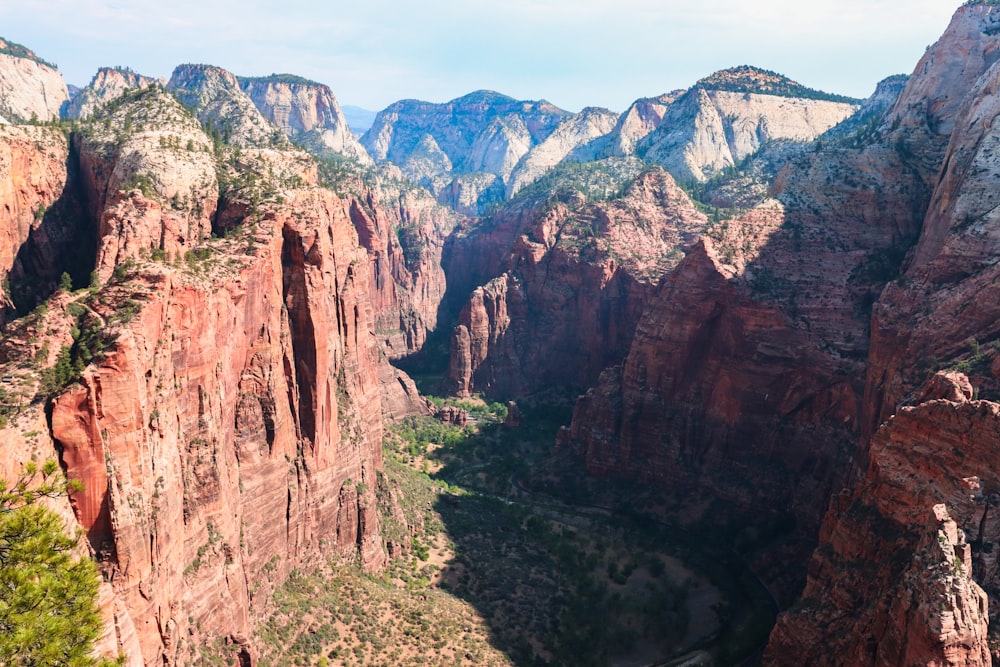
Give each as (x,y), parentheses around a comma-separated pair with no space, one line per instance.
(48,595)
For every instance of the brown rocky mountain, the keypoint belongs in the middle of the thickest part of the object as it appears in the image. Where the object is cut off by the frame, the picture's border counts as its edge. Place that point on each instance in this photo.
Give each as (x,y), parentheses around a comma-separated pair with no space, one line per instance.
(939,447)
(799,350)
(745,380)
(701,408)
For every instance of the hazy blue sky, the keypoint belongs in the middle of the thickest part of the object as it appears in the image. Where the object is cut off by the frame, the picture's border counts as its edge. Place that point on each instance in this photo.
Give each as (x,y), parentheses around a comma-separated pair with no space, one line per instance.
(572,53)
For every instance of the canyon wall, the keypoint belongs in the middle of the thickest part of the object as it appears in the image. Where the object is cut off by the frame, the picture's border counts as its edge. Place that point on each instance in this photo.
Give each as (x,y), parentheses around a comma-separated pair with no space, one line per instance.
(572,280)
(925,442)
(225,417)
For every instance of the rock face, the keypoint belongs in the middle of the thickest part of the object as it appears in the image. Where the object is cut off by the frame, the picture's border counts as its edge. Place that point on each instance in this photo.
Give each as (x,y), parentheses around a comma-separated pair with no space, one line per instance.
(481,133)
(210,471)
(641,118)
(29,87)
(573,134)
(893,579)
(729,115)
(108,84)
(305,111)
(404,232)
(572,280)
(859,127)
(721,393)
(216,97)
(33,178)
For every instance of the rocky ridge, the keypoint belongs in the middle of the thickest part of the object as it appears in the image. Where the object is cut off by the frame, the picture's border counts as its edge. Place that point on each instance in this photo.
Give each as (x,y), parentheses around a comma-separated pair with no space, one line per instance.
(709,129)
(217,98)
(573,134)
(108,84)
(641,118)
(481,133)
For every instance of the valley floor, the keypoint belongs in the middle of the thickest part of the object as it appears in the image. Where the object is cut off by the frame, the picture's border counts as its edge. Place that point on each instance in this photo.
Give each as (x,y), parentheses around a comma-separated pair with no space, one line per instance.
(489,572)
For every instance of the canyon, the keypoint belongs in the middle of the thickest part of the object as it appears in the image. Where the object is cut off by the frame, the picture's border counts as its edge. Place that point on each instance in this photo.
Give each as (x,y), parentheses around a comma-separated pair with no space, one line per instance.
(770,307)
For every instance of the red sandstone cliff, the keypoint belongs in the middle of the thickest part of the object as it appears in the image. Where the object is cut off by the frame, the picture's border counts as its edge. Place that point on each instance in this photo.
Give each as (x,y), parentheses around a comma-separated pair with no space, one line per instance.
(404,232)
(895,580)
(721,394)
(228,428)
(33,176)
(573,280)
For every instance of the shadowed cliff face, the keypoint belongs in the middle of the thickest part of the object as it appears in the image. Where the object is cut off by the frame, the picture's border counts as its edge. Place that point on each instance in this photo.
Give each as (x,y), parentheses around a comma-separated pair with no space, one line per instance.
(573,280)
(226,420)
(46,227)
(938,449)
(745,378)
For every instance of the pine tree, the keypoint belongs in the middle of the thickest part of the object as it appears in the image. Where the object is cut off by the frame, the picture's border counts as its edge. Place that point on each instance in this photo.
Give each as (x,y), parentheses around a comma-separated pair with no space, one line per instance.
(48,595)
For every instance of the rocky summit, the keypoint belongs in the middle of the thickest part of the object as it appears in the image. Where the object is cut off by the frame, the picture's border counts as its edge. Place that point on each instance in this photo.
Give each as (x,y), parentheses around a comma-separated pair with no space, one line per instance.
(713,381)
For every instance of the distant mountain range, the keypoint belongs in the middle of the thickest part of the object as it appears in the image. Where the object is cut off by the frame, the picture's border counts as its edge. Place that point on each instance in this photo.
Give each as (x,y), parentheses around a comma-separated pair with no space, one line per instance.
(358,119)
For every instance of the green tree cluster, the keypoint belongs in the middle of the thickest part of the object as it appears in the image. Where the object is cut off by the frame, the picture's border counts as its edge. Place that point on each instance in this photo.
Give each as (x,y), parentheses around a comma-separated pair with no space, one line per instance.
(48,595)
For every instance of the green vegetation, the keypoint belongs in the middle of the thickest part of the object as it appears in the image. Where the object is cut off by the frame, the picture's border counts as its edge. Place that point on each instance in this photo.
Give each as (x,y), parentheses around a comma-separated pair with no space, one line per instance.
(748,79)
(281,78)
(48,596)
(90,338)
(10,48)
(483,576)
(592,181)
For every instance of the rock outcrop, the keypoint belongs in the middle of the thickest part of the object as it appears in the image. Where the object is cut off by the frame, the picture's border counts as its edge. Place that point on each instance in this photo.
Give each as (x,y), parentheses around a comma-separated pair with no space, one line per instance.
(30,88)
(216,98)
(151,179)
(860,127)
(729,115)
(110,83)
(895,581)
(306,112)
(573,134)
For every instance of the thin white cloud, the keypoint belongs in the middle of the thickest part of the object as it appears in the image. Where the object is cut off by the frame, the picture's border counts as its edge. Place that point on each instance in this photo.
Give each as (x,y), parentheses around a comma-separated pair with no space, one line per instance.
(571,52)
